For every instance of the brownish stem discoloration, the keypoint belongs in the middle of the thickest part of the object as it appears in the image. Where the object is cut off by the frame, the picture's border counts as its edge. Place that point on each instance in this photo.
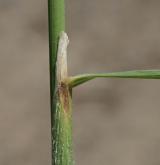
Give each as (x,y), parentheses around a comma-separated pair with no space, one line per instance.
(64,95)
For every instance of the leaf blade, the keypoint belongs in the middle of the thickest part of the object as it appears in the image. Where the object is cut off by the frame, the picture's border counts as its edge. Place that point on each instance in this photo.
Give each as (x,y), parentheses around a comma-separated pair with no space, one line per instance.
(138,74)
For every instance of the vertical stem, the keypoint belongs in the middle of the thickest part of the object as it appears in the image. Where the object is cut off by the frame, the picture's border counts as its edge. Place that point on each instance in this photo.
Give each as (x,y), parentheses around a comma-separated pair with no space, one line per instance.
(60,94)
(56,16)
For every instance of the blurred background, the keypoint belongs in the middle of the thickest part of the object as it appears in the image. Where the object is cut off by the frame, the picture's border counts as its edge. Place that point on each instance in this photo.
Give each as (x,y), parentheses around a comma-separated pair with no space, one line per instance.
(116,122)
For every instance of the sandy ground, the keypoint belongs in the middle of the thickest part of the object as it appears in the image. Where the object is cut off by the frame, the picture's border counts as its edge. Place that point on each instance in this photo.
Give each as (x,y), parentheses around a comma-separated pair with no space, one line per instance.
(116,122)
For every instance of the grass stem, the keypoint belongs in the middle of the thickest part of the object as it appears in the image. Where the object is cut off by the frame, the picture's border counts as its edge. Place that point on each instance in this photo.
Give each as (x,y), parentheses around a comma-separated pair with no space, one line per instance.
(61,126)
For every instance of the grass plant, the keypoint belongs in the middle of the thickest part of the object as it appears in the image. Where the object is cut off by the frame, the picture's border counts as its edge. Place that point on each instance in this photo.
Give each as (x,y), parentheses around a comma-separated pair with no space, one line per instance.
(61,84)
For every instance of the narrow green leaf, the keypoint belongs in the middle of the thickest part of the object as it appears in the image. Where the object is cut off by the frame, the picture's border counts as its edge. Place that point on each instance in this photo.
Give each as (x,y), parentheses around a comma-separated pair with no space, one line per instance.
(139,74)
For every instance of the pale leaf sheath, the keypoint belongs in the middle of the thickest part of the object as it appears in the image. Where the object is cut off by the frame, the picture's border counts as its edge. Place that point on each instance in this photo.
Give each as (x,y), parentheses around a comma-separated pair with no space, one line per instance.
(62,127)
